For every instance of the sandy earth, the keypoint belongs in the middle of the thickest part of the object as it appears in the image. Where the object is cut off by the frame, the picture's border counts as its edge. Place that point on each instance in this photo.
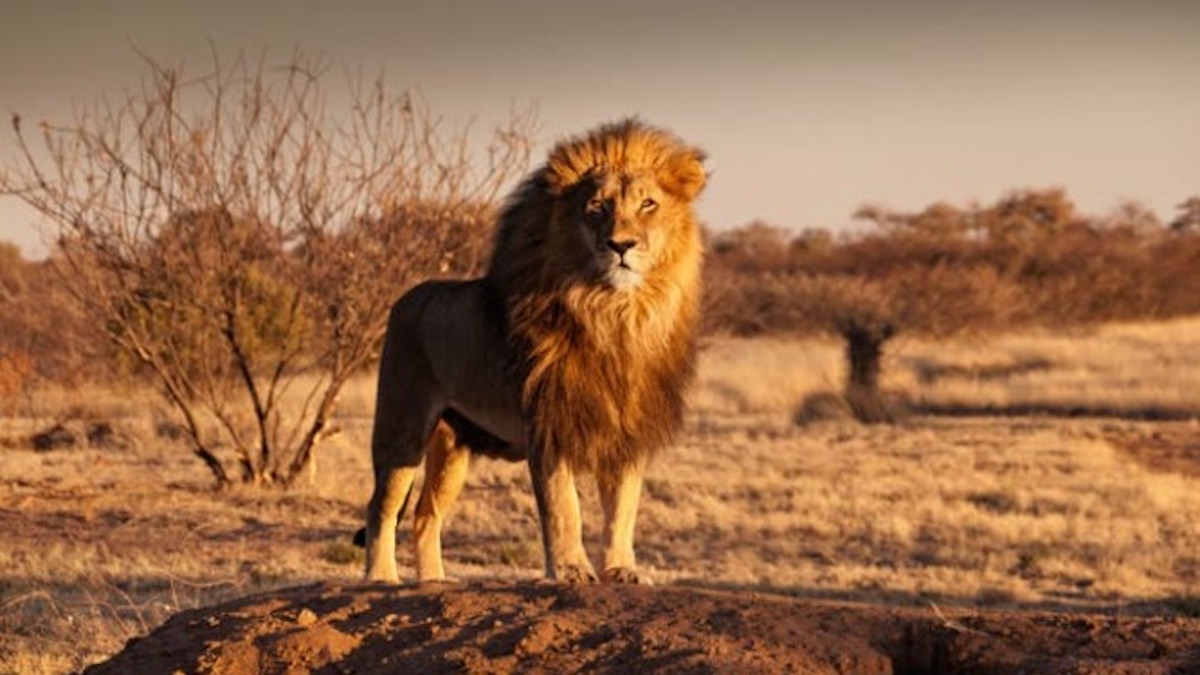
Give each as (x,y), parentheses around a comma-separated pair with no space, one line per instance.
(501,627)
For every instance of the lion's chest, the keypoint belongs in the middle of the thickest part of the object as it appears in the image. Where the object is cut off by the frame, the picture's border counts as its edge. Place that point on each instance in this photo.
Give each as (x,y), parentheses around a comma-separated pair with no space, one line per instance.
(603,392)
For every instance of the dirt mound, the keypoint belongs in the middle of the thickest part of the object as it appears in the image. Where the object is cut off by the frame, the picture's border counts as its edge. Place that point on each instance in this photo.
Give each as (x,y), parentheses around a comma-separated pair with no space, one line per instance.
(500,627)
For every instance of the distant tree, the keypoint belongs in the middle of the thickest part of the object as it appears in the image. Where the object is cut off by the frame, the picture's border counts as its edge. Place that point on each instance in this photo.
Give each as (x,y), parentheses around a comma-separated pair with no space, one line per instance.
(864,314)
(1133,218)
(1028,215)
(936,220)
(1188,219)
(813,241)
(243,244)
(756,245)
(881,217)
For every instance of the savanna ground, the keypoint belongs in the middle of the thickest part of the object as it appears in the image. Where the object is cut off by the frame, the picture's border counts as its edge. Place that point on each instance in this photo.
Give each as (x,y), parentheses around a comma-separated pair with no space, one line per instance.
(998,491)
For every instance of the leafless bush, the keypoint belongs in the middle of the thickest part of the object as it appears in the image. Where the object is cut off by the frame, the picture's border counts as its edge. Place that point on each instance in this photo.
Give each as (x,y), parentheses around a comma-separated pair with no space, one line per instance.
(231,234)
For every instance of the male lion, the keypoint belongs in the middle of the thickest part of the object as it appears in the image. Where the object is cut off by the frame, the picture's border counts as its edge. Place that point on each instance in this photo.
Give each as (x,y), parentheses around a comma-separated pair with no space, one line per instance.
(571,352)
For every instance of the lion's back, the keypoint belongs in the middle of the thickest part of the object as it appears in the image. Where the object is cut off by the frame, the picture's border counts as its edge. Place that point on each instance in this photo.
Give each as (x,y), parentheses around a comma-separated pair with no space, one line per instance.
(451,336)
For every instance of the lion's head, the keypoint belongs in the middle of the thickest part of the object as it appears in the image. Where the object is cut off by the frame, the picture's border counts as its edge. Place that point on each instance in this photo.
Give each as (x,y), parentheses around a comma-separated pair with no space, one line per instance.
(624,200)
(610,209)
(597,261)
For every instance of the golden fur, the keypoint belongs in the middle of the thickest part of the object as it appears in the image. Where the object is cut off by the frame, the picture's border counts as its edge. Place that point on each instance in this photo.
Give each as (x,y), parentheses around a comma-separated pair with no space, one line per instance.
(571,352)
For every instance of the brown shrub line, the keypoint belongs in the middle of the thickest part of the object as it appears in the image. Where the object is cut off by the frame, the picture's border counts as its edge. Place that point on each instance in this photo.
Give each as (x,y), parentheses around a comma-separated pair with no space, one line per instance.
(1030,258)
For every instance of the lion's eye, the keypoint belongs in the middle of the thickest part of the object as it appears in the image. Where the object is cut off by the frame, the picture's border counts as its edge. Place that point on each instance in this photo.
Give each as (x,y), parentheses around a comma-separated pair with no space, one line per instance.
(595,205)
(649,205)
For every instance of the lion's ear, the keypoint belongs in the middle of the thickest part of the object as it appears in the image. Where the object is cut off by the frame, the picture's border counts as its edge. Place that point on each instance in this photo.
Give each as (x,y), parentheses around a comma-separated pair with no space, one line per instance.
(684,174)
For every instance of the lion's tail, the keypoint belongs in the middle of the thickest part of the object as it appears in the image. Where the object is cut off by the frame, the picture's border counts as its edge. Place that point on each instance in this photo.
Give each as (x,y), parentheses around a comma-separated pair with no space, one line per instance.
(360,537)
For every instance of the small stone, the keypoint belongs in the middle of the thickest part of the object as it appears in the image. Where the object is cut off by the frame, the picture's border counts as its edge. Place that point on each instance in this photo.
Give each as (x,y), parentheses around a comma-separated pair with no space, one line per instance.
(306,617)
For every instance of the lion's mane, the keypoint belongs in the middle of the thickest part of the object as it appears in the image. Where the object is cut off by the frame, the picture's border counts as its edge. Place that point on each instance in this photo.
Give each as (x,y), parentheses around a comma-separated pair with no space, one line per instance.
(603,371)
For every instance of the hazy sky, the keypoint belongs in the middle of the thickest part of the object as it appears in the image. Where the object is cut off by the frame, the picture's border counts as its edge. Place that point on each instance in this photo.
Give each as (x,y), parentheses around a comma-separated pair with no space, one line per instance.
(808,109)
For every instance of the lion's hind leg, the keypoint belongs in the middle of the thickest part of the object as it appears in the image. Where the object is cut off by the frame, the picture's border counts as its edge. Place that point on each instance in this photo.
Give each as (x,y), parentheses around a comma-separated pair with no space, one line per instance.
(446,464)
(392,486)
(405,414)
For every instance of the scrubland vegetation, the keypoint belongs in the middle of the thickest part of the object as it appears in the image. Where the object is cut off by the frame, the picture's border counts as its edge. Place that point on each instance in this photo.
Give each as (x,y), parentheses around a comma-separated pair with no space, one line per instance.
(1035,366)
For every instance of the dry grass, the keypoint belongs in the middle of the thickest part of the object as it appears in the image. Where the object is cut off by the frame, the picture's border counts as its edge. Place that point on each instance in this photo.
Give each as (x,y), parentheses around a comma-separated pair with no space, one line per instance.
(1141,369)
(741,376)
(103,543)
(984,511)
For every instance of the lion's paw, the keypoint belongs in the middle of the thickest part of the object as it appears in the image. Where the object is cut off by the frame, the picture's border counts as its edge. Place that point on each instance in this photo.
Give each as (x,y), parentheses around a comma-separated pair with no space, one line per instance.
(622,575)
(576,574)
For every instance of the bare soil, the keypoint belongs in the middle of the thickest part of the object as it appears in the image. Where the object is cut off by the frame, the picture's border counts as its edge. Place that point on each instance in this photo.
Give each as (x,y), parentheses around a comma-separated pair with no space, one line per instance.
(502,627)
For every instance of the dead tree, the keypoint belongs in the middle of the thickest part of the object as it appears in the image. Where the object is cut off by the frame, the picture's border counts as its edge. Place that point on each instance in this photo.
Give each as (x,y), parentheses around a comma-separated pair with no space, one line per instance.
(243,243)
(865,339)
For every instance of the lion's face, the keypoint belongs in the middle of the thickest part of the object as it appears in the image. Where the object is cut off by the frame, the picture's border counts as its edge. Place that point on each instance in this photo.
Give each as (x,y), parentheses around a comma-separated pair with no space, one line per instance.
(609,217)
(622,221)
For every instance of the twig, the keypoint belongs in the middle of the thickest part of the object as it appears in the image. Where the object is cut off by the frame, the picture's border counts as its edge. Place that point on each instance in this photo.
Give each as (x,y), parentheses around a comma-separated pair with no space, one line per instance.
(953,625)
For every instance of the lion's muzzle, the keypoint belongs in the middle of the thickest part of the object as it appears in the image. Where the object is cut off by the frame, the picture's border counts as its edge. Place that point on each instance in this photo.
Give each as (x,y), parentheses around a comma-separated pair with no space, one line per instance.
(620,246)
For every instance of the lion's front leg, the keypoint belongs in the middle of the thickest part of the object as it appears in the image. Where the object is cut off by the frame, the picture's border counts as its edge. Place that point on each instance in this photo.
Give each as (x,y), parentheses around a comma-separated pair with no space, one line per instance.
(619,496)
(562,528)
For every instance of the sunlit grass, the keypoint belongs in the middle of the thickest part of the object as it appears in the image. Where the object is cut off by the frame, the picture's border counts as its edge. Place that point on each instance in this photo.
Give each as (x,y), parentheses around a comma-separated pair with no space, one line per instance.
(103,543)
(1131,368)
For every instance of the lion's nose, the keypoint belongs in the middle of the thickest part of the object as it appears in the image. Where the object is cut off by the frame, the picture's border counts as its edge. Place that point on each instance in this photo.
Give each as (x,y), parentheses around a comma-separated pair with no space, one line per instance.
(621,246)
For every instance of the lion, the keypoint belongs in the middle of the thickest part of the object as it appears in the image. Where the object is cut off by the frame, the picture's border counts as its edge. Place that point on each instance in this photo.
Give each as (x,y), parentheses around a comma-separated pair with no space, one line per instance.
(572,352)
